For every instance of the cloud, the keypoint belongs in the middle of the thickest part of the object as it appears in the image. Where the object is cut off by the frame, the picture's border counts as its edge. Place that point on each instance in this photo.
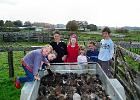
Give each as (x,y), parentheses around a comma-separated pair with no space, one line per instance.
(99,12)
(9,2)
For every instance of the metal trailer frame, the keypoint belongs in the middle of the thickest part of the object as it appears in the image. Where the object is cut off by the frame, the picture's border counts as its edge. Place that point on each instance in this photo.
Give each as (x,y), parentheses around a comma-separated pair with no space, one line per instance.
(112,86)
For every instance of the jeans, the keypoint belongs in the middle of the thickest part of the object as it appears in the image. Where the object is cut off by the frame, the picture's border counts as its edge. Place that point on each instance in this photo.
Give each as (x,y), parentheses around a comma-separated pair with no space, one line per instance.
(105,65)
(29,76)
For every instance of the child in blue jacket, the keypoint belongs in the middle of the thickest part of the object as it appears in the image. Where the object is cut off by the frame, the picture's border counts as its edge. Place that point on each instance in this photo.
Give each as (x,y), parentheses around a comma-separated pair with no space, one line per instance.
(92,52)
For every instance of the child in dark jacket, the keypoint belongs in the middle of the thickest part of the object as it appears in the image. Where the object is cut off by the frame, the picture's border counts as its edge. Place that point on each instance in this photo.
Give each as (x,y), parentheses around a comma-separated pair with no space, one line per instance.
(92,52)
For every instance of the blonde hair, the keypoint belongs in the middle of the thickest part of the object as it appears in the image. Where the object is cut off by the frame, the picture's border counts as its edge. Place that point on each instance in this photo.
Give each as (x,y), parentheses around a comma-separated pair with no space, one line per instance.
(48,46)
(82,47)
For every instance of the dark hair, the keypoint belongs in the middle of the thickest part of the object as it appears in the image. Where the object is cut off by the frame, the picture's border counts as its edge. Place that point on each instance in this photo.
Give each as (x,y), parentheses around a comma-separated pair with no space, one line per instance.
(91,42)
(106,29)
(57,32)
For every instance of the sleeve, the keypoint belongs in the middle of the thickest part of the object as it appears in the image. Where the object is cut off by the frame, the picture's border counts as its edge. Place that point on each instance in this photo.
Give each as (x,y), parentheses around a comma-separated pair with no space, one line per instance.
(78,59)
(87,55)
(111,50)
(65,49)
(52,44)
(86,59)
(45,60)
(37,62)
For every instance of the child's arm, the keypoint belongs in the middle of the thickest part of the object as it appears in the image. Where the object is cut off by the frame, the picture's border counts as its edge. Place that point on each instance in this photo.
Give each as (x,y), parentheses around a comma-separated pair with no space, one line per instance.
(36,65)
(46,61)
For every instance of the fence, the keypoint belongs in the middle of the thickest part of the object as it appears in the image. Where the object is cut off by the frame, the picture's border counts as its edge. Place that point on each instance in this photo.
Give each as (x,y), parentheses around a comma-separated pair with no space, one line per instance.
(29,37)
(124,72)
(121,70)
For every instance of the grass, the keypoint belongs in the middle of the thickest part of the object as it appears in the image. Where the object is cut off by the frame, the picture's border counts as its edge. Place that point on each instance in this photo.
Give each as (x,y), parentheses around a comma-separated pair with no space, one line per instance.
(7,89)
(134,64)
(20,44)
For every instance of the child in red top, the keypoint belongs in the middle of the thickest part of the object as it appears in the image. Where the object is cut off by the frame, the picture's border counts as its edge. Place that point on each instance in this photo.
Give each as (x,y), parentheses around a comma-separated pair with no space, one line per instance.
(72,49)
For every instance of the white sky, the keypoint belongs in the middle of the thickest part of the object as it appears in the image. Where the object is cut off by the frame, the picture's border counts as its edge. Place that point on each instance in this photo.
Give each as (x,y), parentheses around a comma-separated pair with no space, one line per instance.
(98,12)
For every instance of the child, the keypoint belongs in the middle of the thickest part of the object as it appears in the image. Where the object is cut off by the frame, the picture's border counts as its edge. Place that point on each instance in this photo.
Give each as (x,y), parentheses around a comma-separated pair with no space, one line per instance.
(72,49)
(31,63)
(82,59)
(50,57)
(106,51)
(92,52)
(59,47)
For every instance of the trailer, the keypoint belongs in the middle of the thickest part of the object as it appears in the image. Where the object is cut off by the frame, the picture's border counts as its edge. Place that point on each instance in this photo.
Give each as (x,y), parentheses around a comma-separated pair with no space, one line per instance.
(112,86)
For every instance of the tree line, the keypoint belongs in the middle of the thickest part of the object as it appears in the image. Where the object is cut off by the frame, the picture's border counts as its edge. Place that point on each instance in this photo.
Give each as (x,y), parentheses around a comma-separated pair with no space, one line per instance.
(12,26)
(73,25)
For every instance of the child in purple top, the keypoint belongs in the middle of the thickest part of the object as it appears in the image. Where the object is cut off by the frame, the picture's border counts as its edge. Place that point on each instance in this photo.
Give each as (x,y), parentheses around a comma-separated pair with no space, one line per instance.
(31,63)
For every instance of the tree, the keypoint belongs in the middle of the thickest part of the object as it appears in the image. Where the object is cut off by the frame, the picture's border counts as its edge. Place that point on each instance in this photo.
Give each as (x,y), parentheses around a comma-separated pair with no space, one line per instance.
(121,30)
(27,24)
(18,23)
(9,24)
(1,23)
(92,27)
(82,24)
(72,26)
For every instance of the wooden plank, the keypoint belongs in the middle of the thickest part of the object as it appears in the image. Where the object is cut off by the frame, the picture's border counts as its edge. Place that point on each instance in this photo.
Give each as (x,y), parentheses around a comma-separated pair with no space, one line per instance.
(135,56)
(129,92)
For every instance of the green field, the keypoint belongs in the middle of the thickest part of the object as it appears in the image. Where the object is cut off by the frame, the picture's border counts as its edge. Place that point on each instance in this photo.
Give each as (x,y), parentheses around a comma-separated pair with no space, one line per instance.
(7,89)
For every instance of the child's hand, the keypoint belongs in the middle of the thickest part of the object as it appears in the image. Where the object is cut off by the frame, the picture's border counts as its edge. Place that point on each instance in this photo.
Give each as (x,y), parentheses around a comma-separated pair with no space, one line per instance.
(48,64)
(64,57)
(37,77)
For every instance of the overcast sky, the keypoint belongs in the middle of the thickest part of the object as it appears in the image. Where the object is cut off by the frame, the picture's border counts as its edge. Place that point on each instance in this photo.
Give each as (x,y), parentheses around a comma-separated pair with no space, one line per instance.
(99,12)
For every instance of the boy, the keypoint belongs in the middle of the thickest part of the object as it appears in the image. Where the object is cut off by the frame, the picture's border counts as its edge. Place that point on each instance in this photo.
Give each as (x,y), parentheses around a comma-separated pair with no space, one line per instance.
(59,47)
(106,51)
(92,52)
(31,63)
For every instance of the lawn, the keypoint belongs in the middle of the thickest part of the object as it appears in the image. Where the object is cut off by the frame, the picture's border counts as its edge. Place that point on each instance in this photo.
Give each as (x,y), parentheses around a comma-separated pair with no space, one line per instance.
(7,89)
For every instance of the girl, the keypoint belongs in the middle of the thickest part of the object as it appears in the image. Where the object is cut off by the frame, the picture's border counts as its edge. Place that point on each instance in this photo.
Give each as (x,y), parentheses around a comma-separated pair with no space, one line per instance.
(31,63)
(72,49)
(82,59)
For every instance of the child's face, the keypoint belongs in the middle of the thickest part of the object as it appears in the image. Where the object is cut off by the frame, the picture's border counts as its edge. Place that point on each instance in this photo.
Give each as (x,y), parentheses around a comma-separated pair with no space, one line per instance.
(105,34)
(73,40)
(82,52)
(46,51)
(91,46)
(51,57)
(56,37)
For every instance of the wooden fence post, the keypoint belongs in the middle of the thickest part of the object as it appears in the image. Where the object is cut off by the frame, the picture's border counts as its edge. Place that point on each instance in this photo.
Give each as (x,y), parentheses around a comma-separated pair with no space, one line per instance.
(130,42)
(10,62)
(139,67)
(115,63)
(24,51)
